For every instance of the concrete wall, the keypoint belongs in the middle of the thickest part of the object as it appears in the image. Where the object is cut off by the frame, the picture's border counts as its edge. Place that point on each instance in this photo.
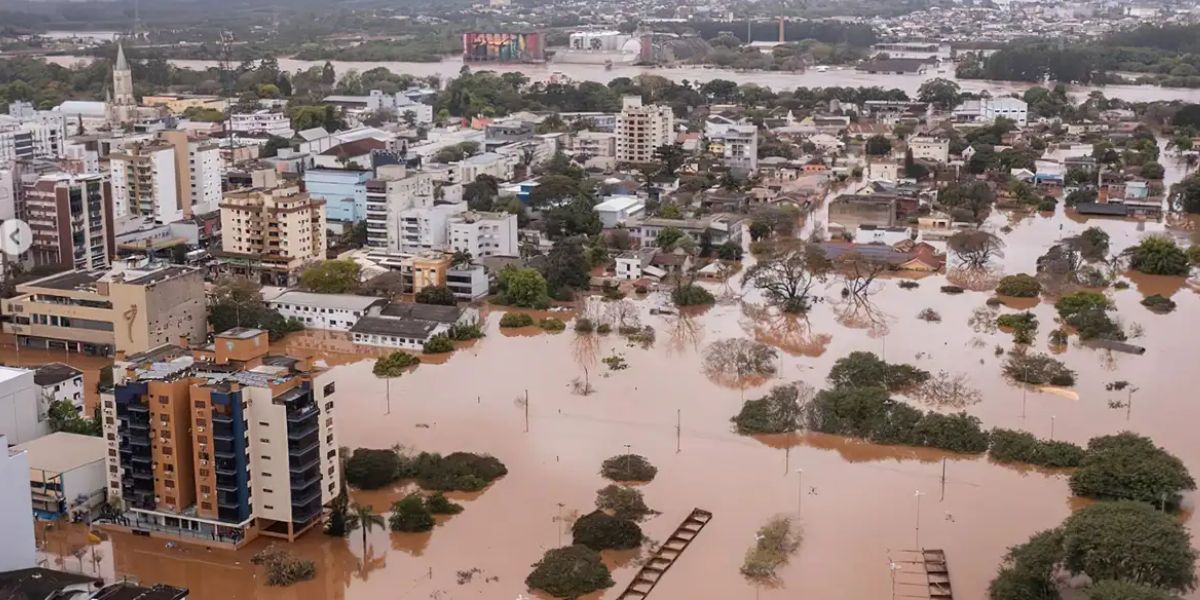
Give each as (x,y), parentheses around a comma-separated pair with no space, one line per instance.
(19,407)
(16,511)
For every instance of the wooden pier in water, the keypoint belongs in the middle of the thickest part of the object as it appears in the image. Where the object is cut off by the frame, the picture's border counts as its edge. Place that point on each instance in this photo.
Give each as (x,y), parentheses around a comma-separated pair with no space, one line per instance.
(649,575)
(921,574)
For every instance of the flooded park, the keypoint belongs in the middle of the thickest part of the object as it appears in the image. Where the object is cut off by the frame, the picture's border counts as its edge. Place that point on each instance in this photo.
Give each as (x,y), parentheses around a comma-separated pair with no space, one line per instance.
(860,505)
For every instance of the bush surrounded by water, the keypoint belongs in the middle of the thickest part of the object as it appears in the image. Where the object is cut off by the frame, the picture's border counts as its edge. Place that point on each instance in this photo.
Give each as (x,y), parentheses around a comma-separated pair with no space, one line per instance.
(1023,326)
(458,471)
(1159,303)
(1127,466)
(411,515)
(1010,446)
(599,531)
(628,467)
(570,572)
(282,568)
(1019,286)
(552,325)
(513,319)
(775,542)
(622,502)
(865,369)
(438,344)
(691,295)
(780,411)
(369,469)
(1038,369)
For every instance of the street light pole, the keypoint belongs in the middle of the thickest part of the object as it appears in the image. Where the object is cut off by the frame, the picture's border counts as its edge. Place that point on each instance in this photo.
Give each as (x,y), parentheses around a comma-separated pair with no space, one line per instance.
(1052,428)
(800,492)
(917,531)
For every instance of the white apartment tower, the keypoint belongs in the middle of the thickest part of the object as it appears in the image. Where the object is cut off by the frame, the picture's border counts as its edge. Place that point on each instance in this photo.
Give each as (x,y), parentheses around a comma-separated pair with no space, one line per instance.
(484,234)
(641,129)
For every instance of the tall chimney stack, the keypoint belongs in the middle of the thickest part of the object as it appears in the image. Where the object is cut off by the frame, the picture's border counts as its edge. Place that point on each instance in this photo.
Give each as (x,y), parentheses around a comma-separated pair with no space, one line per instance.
(782,36)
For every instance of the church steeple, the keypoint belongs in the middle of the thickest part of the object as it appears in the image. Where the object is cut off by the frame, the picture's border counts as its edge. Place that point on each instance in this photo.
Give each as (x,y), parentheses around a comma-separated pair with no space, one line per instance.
(122,106)
(122,64)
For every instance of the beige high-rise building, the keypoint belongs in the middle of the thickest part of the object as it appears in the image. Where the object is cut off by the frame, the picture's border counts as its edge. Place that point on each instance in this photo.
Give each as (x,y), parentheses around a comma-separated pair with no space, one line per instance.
(641,129)
(166,180)
(220,445)
(271,234)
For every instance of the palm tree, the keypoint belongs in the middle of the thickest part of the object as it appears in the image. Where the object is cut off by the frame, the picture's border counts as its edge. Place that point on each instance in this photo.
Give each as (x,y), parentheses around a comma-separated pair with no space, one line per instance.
(365,518)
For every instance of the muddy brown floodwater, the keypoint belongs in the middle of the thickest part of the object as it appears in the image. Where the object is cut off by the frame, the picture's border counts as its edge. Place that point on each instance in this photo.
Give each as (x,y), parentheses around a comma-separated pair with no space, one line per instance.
(857,500)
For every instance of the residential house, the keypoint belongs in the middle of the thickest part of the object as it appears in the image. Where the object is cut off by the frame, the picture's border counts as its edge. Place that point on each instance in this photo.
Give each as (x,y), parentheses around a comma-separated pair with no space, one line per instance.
(58,382)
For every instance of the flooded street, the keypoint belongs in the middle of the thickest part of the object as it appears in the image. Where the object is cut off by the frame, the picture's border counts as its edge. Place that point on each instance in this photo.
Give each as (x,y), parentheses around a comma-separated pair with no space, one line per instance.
(450,66)
(857,500)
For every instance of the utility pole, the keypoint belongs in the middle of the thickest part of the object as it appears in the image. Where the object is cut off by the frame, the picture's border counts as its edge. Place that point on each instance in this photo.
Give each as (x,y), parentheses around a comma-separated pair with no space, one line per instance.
(800,492)
(678,429)
(943,480)
(1129,402)
(1052,428)
(526,411)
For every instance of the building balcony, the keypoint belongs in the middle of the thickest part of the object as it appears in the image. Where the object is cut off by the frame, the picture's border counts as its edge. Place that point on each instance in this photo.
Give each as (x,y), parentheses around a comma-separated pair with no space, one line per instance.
(306,499)
(298,432)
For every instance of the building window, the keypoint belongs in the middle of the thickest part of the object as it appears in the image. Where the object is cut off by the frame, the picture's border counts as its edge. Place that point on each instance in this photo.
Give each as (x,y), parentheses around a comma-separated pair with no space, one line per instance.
(329,389)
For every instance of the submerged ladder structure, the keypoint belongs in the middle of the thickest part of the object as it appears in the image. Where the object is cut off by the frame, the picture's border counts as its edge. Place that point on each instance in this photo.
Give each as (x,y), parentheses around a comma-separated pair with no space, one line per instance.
(649,575)
(921,574)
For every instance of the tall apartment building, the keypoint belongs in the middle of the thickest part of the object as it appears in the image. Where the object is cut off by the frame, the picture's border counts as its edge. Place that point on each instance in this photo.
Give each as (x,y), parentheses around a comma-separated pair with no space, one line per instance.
(484,234)
(71,217)
(271,234)
(132,308)
(394,192)
(641,129)
(197,173)
(166,180)
(221,445)
(26,133)
(145,182)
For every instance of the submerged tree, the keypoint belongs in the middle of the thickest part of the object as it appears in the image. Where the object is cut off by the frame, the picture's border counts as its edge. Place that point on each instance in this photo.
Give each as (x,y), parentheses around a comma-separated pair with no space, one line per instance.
(780,411)
(731,360)
(1129,541)
(1127,466)
(788,276)
(976,248)
(628,467)
(775,542)
(570,572)
(364,517)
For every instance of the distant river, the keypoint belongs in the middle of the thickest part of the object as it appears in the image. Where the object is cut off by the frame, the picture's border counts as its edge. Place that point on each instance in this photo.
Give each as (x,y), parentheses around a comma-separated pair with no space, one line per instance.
(777,80)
